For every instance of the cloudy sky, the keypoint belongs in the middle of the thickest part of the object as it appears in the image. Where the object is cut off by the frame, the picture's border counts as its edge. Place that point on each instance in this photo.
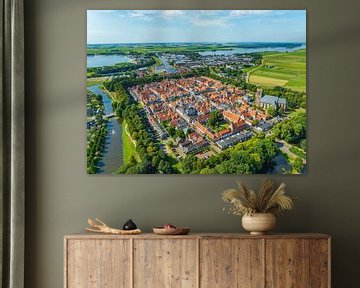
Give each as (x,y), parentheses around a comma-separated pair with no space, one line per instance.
(141,26)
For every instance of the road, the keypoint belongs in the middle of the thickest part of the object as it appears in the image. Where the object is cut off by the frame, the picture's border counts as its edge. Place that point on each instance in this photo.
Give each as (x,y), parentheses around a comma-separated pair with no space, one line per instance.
(285,147)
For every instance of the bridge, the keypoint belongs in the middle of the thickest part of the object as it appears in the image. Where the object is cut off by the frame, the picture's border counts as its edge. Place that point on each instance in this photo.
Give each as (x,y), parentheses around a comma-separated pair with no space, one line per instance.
(107,116)
(110,115)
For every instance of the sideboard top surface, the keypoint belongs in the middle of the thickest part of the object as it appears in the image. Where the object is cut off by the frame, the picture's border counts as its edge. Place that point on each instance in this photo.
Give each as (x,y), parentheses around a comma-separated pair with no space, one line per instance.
(87,235)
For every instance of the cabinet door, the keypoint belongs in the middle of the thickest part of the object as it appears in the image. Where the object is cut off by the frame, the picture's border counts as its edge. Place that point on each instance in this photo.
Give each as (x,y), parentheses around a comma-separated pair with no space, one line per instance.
(320,263)
(287,263)
(98,263)
(231,263)
(167,263)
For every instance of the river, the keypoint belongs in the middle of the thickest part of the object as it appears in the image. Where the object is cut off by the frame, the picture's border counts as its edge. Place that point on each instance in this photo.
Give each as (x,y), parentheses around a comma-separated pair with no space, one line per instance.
(113,153)
(251,50)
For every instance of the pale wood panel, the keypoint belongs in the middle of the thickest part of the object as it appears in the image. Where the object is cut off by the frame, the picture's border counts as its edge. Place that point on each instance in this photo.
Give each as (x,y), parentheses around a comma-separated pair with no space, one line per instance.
(231,263)
(98,264)
(166,263)
(287,263)
(319,263)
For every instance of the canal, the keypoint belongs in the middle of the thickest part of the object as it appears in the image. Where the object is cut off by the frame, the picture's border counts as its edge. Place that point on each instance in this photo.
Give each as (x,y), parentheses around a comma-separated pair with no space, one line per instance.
(113,153)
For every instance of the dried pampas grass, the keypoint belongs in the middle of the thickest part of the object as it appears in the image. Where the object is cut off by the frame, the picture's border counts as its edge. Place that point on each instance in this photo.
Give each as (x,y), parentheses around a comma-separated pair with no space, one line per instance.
(267,200)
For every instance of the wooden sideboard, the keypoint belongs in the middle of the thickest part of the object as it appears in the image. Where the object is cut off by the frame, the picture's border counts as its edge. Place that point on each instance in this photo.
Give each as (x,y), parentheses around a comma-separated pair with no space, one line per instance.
(197,260)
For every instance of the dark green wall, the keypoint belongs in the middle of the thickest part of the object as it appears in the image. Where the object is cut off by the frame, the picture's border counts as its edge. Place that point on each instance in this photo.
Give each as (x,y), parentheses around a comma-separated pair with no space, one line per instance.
(60,196)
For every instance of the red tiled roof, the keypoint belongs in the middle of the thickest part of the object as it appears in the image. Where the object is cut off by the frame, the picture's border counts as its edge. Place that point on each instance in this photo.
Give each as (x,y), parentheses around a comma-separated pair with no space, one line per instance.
(231,116)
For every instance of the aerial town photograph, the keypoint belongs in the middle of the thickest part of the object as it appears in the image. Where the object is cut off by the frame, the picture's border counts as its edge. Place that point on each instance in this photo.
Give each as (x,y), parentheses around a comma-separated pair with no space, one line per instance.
(196,92)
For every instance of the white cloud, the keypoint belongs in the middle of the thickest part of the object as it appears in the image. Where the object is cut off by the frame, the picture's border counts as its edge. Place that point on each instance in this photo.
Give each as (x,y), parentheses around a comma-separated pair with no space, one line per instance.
(209,18)
(237,13)
(171,13)
(208,22)
(137,14)
(209,12)
(217,18)
(146,15)
(197,17)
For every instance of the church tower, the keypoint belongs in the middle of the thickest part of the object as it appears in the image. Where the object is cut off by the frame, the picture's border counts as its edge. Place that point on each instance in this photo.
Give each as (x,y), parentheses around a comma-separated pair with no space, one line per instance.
(258,96)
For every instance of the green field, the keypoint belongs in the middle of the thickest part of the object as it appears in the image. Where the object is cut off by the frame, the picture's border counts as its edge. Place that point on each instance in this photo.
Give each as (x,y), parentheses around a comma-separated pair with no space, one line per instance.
(129,148)
(96,80)
(282,69)
(106,49)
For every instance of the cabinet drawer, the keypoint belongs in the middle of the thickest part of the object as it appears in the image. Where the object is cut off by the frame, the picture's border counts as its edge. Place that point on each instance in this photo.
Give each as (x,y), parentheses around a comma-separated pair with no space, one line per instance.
(168,263)
(98,263)
(231,263)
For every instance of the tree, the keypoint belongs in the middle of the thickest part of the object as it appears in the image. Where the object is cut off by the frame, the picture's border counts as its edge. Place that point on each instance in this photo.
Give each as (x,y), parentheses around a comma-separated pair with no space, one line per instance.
(293,129)
(303,144)
(255,122)
(271,111)
(208,170)
(261,135)
(298,165)
(132,160)
(180,133)
(171,131)
(97,134)
(215,119)
(165,167)
(189,164)
(298,129)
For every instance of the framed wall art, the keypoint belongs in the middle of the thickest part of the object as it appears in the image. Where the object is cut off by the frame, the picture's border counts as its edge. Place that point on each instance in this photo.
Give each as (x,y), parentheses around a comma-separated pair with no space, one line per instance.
(196,92)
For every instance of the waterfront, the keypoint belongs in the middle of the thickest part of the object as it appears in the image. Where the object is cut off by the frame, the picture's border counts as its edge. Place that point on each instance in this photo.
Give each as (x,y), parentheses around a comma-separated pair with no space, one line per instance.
(112,59)
(113,154)
(252,50)
(105,60)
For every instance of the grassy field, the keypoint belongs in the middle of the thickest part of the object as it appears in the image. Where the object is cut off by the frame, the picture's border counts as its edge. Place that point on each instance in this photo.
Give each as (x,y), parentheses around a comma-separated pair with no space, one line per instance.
(282,69)
(266,81)
(129,148)
(106,49)
(96,80)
